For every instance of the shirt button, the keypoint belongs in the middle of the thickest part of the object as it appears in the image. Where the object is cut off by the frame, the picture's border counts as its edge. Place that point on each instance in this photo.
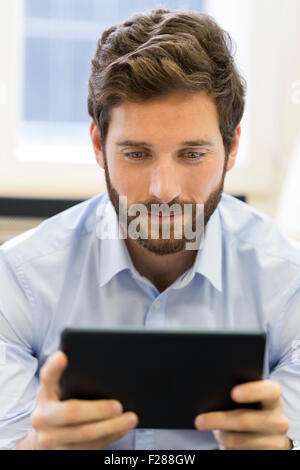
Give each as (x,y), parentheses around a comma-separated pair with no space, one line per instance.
(157,304)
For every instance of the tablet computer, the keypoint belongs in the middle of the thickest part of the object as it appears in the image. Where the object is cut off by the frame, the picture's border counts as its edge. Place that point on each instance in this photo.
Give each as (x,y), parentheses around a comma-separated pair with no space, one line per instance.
(167,377)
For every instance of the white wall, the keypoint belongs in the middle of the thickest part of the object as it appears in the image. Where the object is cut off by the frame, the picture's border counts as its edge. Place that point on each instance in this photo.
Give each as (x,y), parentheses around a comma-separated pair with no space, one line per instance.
(274,120)
(276,67)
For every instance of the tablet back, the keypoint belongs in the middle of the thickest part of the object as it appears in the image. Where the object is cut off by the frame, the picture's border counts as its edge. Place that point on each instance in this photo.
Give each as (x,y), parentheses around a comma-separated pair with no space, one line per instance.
(166,376)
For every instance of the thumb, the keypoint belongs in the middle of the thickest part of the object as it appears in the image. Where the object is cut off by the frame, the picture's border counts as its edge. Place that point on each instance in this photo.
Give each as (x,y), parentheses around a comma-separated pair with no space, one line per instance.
(50,375)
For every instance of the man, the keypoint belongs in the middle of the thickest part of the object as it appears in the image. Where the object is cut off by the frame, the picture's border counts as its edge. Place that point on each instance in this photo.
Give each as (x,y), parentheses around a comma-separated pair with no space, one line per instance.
(166,103)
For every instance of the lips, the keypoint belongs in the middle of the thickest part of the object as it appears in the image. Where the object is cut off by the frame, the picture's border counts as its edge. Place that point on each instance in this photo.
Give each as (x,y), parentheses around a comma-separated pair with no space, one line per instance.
(156,214)
(161,216)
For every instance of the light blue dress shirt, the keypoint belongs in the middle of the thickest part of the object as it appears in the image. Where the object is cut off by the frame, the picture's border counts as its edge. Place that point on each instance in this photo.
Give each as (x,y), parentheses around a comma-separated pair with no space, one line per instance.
(246,276)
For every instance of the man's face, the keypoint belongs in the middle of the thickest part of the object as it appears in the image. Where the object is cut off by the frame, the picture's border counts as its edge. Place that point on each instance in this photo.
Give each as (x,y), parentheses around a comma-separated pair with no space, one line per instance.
(168,150)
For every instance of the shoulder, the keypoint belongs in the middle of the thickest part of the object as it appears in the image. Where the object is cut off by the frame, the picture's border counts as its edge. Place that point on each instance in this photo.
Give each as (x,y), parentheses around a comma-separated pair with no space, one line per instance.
(54,234)
(259,260)
(247,230)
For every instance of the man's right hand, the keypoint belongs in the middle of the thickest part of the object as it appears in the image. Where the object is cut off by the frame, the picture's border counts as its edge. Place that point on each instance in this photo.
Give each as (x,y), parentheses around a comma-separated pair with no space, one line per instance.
(74,424)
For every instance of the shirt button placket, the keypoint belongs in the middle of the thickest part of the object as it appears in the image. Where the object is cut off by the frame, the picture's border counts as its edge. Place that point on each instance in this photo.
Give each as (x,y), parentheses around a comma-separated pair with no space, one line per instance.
(155,317)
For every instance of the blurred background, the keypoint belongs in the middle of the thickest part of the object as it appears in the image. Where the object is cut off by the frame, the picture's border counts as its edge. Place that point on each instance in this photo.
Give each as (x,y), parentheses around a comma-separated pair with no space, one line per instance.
(46,158)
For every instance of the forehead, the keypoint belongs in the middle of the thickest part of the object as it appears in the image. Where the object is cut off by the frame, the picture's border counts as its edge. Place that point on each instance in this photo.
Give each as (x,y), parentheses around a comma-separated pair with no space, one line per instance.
(179,112)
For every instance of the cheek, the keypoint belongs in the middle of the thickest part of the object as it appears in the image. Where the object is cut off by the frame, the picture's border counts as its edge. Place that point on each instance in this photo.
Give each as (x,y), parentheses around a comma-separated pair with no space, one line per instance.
(126,179)
(203,180)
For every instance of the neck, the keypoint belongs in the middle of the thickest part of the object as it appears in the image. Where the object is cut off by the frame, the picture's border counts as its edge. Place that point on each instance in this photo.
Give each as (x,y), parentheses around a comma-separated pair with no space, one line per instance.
(161,270)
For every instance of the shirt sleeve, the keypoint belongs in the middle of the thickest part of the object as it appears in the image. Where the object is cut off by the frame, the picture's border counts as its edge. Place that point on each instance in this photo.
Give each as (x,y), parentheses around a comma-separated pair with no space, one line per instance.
(18,365)
(287,370)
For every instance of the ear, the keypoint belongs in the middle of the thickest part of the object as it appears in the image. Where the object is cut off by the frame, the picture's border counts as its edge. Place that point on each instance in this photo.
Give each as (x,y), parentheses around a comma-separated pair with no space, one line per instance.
(97,144)
(234,149)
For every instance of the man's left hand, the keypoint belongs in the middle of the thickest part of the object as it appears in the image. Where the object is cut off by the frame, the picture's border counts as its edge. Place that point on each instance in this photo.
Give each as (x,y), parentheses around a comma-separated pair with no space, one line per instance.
(244,428)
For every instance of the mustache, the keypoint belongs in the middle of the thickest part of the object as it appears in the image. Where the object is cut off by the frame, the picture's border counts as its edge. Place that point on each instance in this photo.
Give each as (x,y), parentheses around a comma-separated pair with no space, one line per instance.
(164,209)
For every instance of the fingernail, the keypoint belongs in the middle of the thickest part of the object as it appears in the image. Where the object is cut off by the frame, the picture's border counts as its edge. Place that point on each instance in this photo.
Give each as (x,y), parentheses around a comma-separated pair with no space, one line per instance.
(199,422)
(61,359)
(117,407)
(238,393)
(132,419)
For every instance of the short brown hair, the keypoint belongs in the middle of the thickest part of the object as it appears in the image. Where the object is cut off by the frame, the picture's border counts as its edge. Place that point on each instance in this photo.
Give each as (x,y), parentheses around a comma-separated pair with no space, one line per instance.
(155,53)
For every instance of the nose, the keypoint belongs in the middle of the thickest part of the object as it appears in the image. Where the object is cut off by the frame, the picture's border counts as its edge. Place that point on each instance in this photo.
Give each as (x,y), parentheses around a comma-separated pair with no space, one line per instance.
(164,182)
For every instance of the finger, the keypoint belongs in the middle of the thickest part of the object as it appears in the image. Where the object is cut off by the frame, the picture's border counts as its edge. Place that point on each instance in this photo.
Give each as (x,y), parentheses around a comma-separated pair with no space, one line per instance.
(88,432)
(69,412)
(267,392)
(94,445)
(250,441)
(243,420)
(50,375)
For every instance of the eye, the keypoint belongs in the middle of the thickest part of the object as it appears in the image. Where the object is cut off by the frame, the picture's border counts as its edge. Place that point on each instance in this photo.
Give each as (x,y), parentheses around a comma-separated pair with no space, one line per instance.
(194,155)
(135,155)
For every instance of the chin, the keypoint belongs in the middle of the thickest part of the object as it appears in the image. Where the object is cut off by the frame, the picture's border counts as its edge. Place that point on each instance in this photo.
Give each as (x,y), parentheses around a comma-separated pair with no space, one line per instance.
(162,247)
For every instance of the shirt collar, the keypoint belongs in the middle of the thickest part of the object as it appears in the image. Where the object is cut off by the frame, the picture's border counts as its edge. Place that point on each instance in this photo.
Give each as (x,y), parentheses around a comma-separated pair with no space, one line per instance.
(208,261)
(114,255)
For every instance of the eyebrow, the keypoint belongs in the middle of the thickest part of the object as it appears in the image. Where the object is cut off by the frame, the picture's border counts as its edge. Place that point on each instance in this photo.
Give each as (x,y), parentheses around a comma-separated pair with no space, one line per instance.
(186,143)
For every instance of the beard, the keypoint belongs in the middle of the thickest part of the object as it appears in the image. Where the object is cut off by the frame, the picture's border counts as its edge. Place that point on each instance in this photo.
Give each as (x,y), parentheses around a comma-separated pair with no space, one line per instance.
(172,244)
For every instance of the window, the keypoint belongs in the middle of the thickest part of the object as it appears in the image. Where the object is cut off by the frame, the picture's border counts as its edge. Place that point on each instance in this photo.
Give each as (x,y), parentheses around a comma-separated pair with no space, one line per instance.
(46,47)
(59,39)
